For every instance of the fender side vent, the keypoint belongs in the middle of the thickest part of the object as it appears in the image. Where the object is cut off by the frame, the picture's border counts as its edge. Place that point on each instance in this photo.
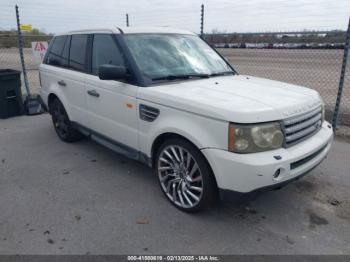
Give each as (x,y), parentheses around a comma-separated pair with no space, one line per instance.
(148,113)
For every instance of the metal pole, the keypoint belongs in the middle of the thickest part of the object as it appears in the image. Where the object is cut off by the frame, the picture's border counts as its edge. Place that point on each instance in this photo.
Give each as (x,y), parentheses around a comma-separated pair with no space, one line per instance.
(20,48)
(202,19)
(341,80)
(127,20)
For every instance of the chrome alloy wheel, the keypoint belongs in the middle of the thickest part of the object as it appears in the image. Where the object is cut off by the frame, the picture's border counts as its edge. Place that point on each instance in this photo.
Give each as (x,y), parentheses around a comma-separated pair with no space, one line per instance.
(180,176)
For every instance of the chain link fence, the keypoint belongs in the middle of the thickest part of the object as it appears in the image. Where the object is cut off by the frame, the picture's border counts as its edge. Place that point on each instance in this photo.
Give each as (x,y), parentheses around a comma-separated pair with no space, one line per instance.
(9,58)
(344,112)
(318,69)
(311,59)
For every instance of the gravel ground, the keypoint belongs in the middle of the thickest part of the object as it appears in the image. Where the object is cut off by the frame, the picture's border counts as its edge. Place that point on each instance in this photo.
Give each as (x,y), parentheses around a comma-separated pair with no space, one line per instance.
(58,198)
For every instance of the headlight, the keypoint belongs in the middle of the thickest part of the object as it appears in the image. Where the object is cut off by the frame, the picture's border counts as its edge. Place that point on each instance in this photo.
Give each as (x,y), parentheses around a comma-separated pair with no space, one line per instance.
(254,138)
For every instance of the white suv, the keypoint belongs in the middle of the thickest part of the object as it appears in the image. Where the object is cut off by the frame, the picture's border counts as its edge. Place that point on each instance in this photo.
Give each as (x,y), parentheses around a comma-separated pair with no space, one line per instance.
(166,98)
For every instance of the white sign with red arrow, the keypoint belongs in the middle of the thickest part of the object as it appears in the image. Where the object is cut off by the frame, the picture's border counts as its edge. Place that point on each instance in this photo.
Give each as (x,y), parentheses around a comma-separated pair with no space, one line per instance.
(39,50)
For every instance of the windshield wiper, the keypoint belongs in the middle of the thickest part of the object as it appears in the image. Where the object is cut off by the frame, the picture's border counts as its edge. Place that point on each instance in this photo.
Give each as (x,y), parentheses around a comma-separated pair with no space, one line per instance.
(174,77)
(188,76)
(222,73)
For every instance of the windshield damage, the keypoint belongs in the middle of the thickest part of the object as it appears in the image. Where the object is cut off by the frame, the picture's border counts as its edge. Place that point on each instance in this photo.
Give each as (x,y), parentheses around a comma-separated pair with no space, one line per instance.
(169,57)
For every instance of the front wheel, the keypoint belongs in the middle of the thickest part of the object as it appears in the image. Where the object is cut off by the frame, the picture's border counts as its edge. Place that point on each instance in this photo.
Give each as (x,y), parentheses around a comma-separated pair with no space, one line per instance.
(185,176)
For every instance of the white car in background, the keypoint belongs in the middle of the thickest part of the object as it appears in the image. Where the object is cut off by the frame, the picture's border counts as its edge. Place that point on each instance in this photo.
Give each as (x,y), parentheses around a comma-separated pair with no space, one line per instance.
(165,97)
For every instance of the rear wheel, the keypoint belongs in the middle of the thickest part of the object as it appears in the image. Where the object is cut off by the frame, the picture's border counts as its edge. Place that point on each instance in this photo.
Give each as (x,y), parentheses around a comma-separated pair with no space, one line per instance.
(63,126)
(185,176)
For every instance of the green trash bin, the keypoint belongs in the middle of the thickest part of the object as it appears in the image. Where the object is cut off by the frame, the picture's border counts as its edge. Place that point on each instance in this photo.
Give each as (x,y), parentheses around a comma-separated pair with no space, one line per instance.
(11,103)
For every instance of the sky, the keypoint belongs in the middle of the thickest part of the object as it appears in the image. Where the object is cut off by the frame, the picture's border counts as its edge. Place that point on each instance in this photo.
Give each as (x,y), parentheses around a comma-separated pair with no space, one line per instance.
(220,15)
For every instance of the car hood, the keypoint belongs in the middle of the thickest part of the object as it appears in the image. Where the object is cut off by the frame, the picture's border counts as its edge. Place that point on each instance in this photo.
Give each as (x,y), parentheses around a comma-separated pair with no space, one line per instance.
(238,98)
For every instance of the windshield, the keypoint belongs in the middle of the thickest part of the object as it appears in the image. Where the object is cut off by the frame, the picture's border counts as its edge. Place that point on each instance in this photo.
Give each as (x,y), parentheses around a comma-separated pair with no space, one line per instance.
(165,56)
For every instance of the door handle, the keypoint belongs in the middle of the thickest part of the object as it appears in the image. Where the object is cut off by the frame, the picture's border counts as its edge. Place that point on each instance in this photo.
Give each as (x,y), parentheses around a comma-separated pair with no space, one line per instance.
(93,93)
(61,83)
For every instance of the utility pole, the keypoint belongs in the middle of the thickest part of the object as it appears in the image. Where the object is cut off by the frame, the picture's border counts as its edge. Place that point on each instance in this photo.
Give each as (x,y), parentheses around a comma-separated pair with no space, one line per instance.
(32,104)
(202,19)
(342,79)
(127,20)
(20,48)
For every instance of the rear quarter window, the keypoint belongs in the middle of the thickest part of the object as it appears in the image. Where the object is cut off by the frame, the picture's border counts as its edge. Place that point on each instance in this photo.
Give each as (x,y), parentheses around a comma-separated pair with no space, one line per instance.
(55,53)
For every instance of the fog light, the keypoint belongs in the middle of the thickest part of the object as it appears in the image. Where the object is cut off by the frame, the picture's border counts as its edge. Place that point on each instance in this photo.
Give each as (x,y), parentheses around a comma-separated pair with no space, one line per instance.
(277,174)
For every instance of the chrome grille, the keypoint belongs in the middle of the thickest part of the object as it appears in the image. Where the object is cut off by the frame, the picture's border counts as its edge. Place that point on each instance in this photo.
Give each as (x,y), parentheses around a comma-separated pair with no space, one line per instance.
(302,126)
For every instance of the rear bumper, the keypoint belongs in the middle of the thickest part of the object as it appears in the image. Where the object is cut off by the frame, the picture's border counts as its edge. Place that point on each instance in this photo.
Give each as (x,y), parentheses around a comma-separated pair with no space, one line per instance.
(248,174)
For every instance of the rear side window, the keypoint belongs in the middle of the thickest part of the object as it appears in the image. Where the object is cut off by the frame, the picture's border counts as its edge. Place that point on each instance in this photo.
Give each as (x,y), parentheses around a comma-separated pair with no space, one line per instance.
(55,55)
(77,55)
(105,51)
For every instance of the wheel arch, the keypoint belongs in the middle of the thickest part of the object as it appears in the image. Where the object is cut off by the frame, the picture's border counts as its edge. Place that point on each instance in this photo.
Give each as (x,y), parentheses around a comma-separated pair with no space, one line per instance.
(51,97)
(161,138)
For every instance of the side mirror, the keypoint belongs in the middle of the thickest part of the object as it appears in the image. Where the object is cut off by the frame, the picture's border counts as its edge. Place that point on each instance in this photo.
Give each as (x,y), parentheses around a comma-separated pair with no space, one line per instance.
(111,72)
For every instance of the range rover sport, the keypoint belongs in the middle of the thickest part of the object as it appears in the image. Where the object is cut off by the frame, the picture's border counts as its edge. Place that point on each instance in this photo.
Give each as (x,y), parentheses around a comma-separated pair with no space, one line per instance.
(165,97)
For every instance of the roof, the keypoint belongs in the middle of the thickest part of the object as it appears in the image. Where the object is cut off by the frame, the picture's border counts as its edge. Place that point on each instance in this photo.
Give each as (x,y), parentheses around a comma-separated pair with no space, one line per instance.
(130,30)
(159,29)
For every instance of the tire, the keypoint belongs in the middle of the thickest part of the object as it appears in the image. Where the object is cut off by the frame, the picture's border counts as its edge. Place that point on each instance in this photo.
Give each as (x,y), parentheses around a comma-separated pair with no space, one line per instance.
(63,126)
(185,176)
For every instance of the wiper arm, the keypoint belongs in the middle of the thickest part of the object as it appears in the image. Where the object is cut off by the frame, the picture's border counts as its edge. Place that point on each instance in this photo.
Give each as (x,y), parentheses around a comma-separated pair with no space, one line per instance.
(188,76)
(173,77)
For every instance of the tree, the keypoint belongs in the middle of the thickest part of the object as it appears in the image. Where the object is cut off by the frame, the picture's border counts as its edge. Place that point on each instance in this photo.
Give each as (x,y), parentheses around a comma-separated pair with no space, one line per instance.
(36,31)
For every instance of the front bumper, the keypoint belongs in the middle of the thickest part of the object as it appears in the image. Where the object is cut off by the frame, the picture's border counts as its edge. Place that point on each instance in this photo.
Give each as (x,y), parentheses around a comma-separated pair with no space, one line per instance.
(247,173)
